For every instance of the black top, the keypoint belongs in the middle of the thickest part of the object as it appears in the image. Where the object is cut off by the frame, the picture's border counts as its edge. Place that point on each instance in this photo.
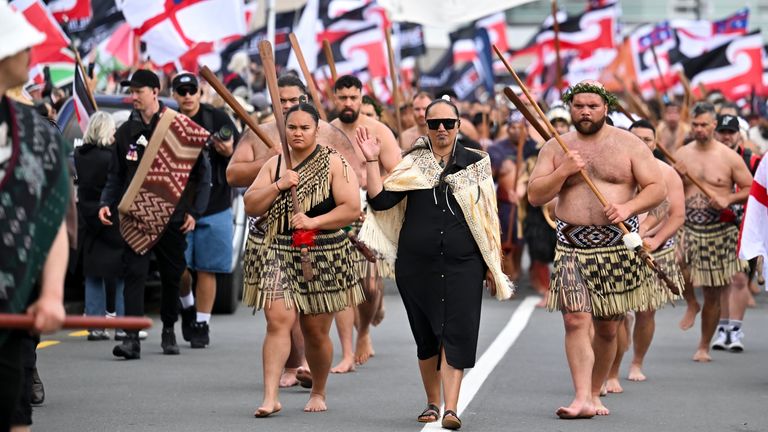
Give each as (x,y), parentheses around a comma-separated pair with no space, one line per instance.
(121,170)
(213,119)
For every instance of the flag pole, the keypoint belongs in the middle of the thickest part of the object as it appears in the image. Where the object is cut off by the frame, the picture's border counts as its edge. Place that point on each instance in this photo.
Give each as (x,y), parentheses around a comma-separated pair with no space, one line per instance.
(307,76)
(395,88)
(640,251)
(558,59)
(79,65)
(329,59)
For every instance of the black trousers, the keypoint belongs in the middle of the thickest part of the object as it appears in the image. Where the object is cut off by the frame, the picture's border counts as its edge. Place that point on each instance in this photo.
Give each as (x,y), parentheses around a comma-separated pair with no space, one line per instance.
(17,361)
(169,252)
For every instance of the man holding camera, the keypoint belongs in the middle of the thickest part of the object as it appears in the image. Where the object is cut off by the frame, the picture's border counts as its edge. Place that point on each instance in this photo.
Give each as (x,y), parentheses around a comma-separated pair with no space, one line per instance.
(209,246)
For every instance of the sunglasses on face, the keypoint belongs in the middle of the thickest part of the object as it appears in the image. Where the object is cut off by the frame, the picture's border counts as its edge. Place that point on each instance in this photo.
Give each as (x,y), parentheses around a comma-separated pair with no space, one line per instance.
(434,124)
(187,91)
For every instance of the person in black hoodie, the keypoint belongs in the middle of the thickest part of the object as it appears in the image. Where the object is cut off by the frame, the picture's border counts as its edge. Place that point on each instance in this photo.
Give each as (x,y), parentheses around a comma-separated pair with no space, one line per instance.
(100,246)
(169,249)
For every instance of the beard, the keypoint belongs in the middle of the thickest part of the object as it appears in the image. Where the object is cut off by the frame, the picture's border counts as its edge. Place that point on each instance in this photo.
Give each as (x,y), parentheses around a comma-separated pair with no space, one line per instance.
(593,128)
(348,116)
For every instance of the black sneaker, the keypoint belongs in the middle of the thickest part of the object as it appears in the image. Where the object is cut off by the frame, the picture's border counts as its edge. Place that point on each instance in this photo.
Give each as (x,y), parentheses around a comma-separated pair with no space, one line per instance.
(168,342)
(200,334)
(188,318)
(38,391)
(130,349)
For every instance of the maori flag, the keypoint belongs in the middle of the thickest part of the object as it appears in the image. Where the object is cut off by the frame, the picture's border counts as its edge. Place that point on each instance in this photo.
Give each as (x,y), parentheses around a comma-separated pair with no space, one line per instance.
(735,68)
(160,179)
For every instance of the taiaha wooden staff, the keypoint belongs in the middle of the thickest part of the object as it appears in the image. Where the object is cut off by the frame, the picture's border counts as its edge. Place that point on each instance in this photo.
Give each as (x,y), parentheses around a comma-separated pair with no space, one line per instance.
(270,72)
(219,88)
(658,70)
(22,321)
(523,134)
(558,60)
(638,105)
(307,76)
(329,59)
(395,88)
(640,251)
(687,96)
(515,99)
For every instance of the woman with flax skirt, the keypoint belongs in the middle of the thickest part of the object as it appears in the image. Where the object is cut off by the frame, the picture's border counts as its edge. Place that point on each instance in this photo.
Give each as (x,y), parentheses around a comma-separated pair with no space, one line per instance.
(436,213)
(329,200)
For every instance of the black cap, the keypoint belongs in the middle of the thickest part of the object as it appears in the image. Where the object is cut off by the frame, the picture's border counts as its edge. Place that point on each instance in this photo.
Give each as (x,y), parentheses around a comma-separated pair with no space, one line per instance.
(727,123)
(184,79)
(142,78)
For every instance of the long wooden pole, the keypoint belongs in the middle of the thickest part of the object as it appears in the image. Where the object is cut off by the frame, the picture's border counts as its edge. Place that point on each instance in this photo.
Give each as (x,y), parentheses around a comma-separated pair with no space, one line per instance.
(640,251)
(658,70)
(21,321)
(331,62)
(219,88)
(515,99)
(307,76)
(395,88)
(558,59)
(270,72)
(79,65)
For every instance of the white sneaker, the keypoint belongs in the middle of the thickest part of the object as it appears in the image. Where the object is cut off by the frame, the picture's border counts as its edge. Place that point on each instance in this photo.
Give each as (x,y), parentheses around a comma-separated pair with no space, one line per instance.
(722,341)
(737,337)
(143,335)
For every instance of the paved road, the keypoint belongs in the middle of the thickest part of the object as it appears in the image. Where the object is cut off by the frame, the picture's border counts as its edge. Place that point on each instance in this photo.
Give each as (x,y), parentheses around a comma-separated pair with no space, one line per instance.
(218,388)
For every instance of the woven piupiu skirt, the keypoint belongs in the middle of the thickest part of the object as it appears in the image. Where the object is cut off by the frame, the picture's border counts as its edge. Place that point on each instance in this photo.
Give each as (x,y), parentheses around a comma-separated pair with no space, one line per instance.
(709,253)
(274,271)
(665,259)
(606,281)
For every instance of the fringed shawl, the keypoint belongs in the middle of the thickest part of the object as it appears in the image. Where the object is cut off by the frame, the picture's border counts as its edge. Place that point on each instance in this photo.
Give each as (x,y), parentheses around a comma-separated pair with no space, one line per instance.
(472,188)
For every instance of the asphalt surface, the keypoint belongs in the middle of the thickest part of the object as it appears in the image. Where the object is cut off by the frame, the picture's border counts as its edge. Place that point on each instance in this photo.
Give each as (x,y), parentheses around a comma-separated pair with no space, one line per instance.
(218,388)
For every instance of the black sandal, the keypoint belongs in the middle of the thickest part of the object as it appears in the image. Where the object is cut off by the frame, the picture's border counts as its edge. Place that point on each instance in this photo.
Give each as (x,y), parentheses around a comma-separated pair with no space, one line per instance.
(451,420)
(430,415)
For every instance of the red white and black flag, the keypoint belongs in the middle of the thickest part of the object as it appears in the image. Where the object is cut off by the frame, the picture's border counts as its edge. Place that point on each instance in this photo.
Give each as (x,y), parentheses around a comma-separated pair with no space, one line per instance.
(734,69)
(83,106)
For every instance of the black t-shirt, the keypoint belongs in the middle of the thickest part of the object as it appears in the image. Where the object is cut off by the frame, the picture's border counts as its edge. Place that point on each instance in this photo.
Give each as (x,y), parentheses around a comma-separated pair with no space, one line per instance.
(213,120)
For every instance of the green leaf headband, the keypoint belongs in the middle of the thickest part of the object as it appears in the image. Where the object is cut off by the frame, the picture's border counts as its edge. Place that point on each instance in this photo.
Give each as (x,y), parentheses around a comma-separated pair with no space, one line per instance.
(609,99)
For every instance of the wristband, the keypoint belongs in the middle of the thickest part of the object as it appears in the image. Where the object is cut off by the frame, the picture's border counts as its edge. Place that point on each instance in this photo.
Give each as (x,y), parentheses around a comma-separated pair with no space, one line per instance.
(278,187)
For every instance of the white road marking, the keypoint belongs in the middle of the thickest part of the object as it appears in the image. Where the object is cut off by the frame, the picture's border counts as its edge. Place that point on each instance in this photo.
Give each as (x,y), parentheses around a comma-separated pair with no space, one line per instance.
(475,378)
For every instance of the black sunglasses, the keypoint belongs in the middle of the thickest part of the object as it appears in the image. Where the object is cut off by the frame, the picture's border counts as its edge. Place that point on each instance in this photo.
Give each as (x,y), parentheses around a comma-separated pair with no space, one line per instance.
(434,124)
(186,91)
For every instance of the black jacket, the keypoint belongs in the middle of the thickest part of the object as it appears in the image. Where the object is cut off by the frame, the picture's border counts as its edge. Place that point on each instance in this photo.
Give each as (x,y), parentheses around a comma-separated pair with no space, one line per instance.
(99,246)
(121,170)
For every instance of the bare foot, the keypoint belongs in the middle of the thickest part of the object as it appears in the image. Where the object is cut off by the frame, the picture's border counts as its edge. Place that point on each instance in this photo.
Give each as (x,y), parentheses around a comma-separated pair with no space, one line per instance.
(576,410)
(690,317)
(316,403)
(288,378)
(612,385)
(364,350)
(603,390)
(304,376)
(600,409)
(344,366)
(266,409)
(636,373)
(702,356)
(378,317)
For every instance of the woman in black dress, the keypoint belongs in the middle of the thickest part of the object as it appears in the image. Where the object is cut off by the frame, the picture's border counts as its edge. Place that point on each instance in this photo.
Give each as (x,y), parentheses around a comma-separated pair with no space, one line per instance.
(443,253)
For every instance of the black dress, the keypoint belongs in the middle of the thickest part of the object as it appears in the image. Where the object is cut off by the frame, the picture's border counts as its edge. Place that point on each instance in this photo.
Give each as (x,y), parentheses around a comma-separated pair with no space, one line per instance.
(439,269)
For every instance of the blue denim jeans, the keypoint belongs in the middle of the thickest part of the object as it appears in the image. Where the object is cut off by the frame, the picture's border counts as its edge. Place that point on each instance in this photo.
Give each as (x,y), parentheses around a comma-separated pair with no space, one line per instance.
(96,298)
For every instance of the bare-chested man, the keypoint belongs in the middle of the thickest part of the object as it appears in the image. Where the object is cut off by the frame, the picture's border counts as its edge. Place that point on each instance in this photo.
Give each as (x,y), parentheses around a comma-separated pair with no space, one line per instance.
(619,165)
(420,102)
(348,94)
(658,230)
(672,131)
(709,243)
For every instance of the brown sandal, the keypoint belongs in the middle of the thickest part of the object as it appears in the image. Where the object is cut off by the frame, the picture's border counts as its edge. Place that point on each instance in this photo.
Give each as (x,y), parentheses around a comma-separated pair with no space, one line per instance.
(429,415)
(451,420)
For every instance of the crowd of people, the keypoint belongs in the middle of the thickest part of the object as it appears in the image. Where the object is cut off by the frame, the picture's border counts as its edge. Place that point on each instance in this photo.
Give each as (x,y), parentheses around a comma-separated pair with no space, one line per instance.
(449,200)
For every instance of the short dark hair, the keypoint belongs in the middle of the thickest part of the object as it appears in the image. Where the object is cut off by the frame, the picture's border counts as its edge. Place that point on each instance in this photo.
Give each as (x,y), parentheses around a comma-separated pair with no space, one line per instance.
(347,81)
(443,101)
(422,94)
(304,107)
(290,80)
(702,108)
(369,101)
(728,104)
(643,124)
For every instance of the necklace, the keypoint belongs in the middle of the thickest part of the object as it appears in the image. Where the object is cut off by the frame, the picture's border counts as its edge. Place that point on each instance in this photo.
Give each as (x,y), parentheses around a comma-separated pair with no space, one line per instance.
(441,162)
